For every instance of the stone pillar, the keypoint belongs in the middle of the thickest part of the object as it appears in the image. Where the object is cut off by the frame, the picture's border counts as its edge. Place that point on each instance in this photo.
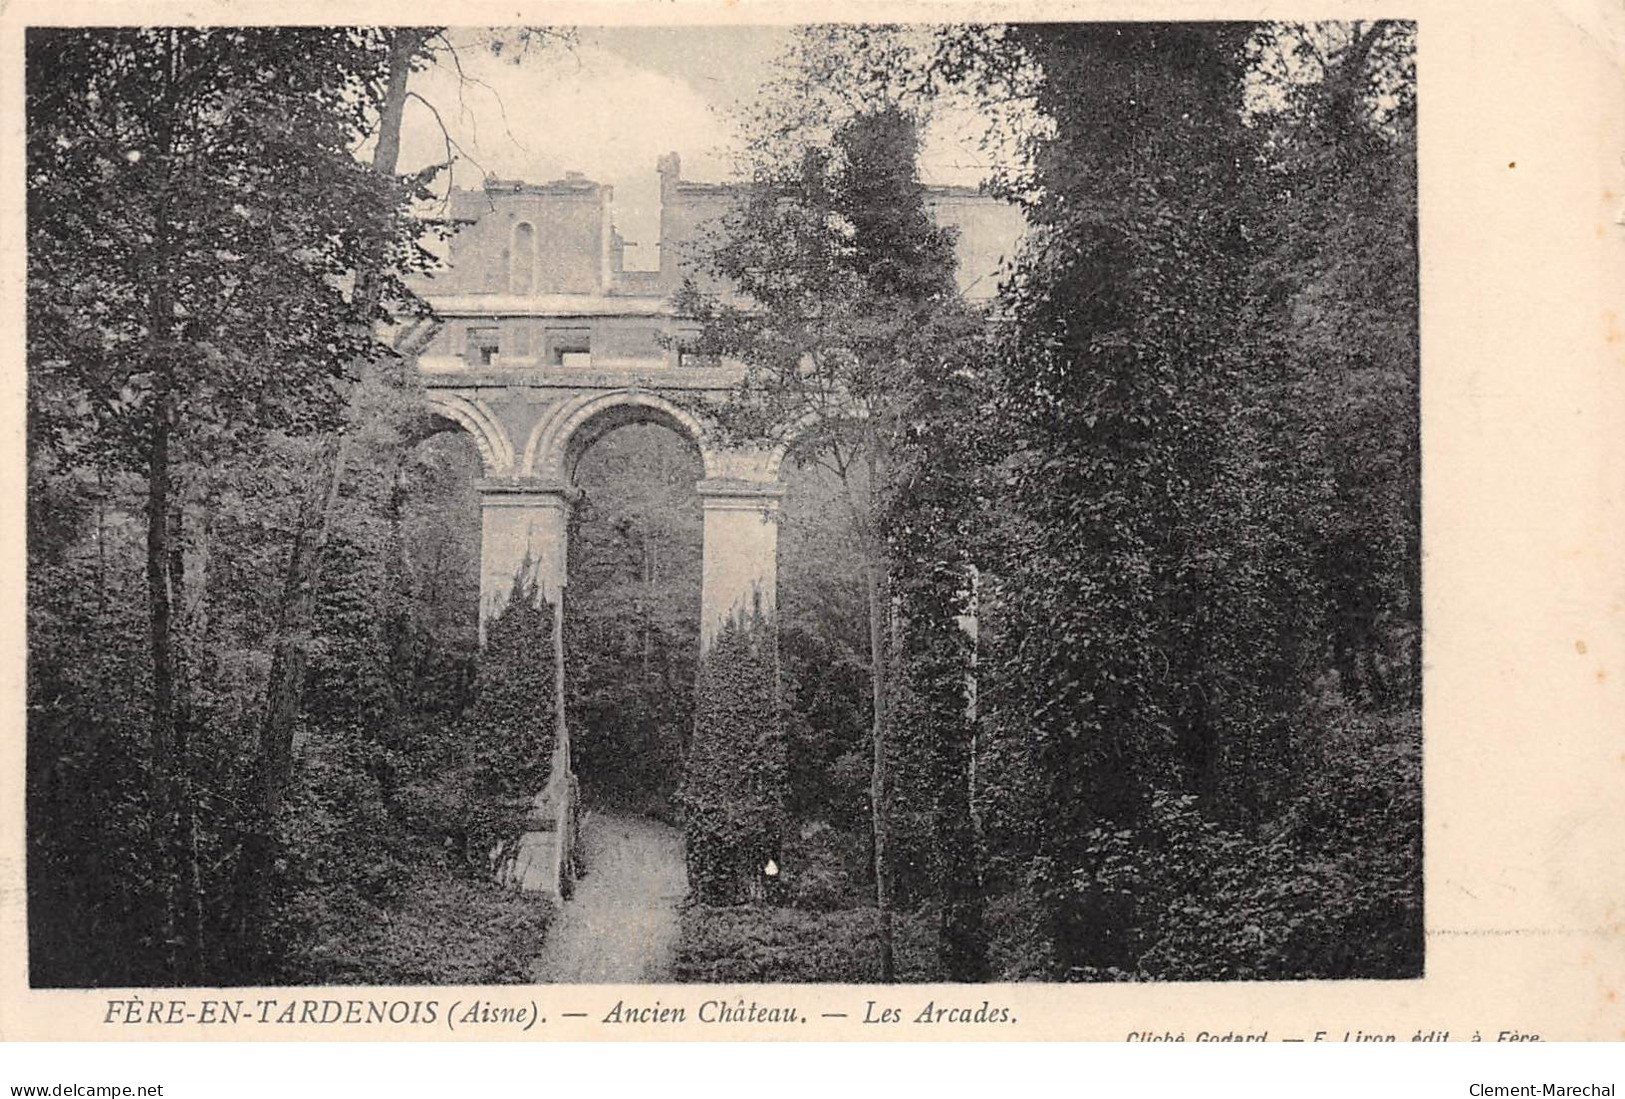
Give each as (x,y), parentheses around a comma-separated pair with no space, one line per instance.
(525,526)
(741,569)
(736,772)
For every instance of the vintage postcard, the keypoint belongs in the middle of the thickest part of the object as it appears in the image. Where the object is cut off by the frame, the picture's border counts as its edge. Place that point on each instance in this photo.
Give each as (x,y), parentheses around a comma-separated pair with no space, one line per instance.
(787,521)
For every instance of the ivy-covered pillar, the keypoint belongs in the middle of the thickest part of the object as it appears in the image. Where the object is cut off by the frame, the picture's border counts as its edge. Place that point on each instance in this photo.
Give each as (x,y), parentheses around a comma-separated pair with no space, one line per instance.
(524,546)
(524,533)
(735,773)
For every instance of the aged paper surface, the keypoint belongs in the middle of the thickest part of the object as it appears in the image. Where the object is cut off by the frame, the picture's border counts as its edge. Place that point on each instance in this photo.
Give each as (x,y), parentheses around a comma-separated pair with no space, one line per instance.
(1522,216)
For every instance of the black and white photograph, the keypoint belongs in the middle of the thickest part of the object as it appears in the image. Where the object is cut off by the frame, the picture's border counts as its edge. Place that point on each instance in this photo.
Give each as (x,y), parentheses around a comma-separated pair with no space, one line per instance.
(705,504)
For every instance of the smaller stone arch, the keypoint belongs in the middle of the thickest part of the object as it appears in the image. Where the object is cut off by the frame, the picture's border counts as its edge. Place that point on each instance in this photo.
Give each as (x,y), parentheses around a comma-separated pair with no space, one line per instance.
(560,437)
(791,434)
(472,415)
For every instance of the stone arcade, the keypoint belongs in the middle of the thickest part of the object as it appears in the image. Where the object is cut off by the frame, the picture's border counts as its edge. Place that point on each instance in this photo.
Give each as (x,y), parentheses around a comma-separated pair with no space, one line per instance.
(547,342)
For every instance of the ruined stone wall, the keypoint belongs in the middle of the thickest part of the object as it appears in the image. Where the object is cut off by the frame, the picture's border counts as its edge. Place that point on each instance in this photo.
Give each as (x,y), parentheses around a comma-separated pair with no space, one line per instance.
(534,278)
(990,231)
(566,240)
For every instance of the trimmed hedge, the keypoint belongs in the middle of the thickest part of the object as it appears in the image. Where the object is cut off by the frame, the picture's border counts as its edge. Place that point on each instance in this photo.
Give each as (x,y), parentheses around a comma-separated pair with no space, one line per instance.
(509,732)
(762,944)
(443,929)
(735,780)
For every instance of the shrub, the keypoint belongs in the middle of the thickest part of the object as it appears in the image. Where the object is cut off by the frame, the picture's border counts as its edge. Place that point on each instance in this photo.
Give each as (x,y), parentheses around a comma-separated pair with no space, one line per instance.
(445,929)
(822,867)
(734,783)
(385,876)
(509,733)
(765,944)
(1330,888)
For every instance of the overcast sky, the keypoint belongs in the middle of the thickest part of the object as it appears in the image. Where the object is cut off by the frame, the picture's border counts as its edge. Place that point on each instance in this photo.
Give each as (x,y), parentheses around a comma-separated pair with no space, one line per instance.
(608,106)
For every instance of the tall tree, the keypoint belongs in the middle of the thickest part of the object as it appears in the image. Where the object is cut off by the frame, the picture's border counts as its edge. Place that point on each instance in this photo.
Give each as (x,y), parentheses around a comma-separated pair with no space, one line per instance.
(1336,293)
(845,293)
(1123,339)
(406,51)
(383,395)
(196,223)
(1203,486)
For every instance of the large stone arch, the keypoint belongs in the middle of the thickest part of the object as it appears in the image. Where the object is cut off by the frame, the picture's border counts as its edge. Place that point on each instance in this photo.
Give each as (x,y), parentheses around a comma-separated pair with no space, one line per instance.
(482,425)
(560,437)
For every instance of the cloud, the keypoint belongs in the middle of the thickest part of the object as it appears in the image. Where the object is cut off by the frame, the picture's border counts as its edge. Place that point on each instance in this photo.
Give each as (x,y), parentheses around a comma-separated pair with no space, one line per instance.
(586,110)
(610,113)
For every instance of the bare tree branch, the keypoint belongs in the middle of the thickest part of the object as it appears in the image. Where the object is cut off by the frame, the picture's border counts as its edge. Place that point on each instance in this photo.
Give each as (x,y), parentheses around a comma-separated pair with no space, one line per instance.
(453,147)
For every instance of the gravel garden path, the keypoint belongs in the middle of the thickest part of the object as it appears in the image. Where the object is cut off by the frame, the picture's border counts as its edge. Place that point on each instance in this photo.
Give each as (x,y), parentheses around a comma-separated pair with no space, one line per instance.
(621,924)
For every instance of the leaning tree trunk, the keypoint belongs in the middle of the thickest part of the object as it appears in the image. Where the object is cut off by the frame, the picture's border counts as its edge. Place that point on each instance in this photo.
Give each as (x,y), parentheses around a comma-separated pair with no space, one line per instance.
(295,618)
(296,613)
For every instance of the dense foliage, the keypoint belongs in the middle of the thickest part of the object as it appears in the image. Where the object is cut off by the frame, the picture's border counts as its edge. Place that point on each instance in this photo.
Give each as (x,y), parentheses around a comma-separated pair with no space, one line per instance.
(210,406)
(632,621)
(1096,655)
(1172,483)
(1180,619)
(760,944)
(510,731)
(839,300)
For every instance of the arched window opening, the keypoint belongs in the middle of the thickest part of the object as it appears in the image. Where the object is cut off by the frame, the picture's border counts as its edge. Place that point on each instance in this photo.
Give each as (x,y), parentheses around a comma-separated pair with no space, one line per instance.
(522,260)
